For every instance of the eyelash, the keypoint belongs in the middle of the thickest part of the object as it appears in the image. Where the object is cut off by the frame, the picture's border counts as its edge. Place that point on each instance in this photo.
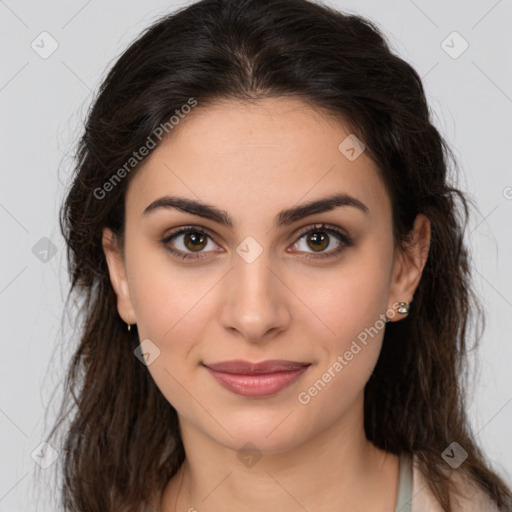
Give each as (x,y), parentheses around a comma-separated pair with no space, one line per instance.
(345,240)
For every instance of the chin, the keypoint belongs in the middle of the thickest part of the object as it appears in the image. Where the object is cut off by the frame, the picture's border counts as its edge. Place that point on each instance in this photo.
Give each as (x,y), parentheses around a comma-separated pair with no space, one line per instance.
(266,434)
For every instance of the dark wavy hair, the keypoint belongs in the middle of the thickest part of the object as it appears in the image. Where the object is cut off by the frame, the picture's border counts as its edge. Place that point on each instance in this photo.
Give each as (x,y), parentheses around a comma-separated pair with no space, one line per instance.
(122,444)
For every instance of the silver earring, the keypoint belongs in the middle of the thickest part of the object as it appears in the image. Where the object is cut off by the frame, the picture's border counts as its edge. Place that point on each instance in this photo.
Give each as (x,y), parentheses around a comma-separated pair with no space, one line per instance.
(403,307)
(129,327)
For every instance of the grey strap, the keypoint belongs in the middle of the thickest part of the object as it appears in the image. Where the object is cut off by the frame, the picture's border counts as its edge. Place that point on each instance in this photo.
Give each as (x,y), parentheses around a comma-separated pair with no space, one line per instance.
(404,498)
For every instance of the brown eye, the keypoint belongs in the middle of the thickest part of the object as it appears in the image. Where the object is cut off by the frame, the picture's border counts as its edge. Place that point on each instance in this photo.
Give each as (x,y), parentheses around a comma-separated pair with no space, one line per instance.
(326,241)
(187,241)
(317,240)
(194,241)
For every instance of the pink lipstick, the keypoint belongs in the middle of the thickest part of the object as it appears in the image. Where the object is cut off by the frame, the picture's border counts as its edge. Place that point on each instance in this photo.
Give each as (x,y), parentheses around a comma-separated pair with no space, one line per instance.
(256,379)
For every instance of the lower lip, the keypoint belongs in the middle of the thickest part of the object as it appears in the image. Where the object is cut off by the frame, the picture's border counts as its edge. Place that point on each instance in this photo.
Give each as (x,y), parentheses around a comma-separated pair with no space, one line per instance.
(257,385)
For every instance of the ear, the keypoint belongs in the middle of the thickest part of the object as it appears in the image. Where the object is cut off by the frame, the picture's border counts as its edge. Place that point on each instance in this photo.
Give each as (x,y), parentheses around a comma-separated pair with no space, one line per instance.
(117,271)
(409,263)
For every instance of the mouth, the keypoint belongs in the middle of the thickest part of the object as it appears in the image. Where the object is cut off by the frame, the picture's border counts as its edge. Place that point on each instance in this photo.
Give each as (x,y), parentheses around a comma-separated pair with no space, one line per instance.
(256,379)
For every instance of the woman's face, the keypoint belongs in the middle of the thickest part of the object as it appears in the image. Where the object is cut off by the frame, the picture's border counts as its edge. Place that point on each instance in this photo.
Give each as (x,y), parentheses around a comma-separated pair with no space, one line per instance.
(262,280)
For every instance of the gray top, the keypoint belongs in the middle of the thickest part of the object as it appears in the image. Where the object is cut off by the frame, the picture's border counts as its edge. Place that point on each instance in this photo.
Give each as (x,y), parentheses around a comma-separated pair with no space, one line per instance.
(404,498)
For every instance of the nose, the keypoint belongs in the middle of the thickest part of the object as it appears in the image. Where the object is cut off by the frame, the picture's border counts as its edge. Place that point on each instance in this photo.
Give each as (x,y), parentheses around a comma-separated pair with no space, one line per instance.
(256,306)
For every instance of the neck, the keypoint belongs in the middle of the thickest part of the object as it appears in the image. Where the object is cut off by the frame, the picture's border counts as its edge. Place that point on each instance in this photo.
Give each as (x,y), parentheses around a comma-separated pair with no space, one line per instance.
(338,469)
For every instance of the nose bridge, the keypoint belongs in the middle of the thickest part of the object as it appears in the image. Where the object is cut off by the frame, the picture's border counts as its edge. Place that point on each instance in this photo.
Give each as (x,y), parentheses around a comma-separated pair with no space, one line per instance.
(255,303)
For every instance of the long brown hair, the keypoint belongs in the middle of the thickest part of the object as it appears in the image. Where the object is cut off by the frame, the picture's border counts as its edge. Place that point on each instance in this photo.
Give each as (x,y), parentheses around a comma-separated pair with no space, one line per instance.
(122,444)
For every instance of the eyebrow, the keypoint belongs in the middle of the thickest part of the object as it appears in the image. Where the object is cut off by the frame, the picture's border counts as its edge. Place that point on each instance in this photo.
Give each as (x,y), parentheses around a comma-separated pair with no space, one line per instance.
(283,218)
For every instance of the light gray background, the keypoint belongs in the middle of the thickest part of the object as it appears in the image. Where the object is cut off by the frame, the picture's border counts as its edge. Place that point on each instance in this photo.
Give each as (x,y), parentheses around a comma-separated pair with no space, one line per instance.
(43,102)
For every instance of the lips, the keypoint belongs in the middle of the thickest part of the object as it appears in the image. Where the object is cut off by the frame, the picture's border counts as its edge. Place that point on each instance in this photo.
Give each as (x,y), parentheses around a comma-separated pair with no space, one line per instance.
(256,379)
(247,368)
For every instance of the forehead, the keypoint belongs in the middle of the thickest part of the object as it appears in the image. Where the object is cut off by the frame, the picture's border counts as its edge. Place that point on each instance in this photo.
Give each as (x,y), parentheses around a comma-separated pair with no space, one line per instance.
(258,157)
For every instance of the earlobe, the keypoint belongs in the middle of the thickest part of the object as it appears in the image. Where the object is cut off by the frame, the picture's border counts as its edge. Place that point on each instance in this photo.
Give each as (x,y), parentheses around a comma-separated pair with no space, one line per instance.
(410,262)
(117,273)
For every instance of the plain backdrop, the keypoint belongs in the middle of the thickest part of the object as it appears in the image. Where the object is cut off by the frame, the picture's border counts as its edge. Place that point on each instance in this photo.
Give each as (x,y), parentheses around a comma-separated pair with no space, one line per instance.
(460,48)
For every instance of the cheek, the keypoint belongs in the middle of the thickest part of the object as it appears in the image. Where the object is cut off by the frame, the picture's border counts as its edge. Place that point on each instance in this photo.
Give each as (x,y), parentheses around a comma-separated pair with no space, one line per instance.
(351,304)
(173,307)
(351,298)
(332,390)
(167,299)
(351,346)
(170,313)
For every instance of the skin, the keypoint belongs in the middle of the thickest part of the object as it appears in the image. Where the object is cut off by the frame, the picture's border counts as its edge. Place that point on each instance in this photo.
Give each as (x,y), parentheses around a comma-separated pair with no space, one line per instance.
(254,160)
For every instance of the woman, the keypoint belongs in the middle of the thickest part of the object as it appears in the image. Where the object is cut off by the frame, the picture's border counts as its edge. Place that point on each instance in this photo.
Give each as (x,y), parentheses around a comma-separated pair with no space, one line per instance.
(277,293)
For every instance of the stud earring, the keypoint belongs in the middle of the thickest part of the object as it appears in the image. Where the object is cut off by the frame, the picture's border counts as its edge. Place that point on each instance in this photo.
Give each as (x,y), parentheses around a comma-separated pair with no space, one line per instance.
(403,307)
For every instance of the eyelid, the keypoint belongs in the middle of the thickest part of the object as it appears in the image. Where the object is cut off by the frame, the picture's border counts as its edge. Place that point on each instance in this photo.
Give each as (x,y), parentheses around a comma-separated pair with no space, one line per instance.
(320,226)
(185,229)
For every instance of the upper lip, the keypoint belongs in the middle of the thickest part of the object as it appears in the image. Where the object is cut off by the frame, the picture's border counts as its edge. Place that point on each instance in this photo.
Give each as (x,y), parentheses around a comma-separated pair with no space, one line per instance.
(239,366)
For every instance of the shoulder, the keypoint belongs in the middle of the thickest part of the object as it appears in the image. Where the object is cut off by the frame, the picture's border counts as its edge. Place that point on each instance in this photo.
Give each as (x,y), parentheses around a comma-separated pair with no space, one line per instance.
(471,498)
